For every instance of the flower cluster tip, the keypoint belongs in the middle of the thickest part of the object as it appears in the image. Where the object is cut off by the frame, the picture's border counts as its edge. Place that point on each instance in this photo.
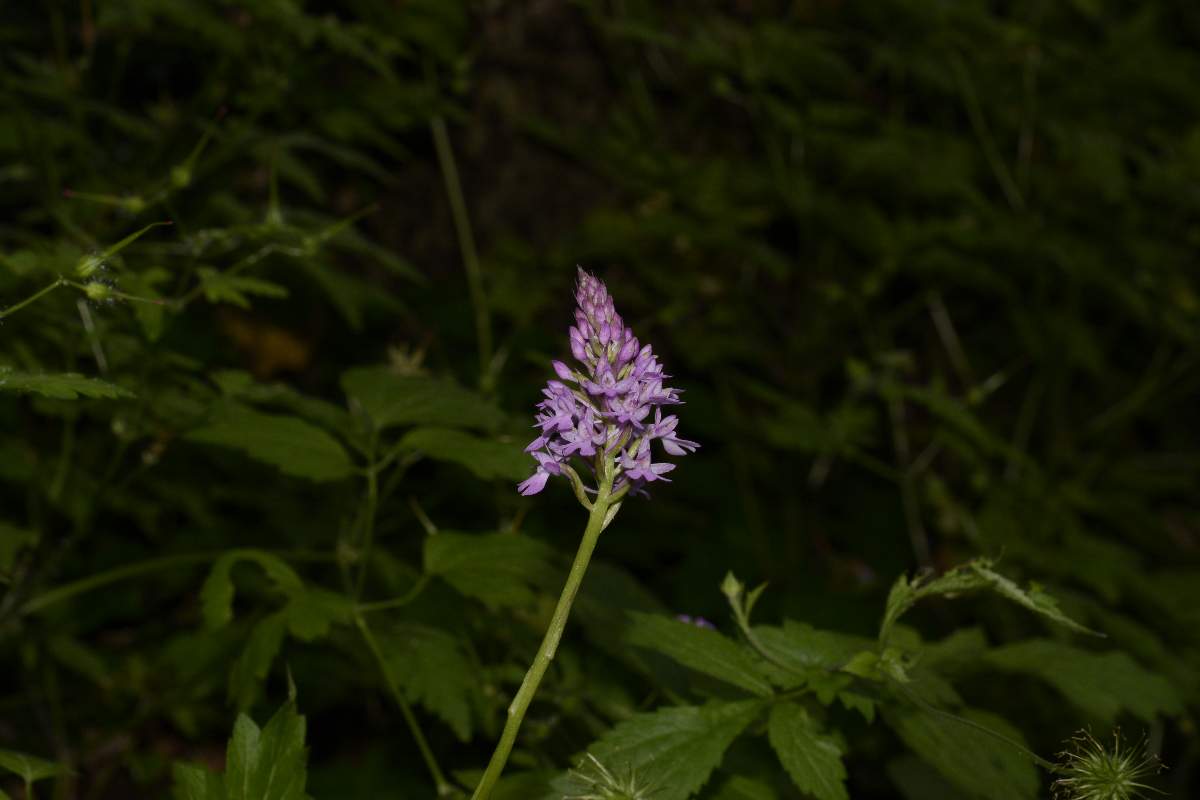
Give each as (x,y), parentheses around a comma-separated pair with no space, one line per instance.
(607,408)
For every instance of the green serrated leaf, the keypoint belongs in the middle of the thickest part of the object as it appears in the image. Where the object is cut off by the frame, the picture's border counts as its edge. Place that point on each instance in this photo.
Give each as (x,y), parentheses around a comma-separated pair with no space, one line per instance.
(312,612)
(216,596)
(973,575)
(282,772)
(219,287)
(62,386)
(916,780)
(12,541)
(967,756)
(701,649)
(431,668)
(389,399)
(739,787)
(486,458)
(241,758)
(799,651)
(1101,684)
(673,750)
(260,764)
(254,663)
(30,768)
(813,759)
(294,446)
(499,569)
(192,782)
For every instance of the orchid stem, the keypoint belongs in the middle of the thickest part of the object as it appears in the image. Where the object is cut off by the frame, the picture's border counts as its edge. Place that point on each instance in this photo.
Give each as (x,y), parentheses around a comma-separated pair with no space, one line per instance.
(520,704)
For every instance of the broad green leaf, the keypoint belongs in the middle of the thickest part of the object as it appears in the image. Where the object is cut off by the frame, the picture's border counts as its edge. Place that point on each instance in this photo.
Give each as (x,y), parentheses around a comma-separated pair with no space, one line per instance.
(241,757)
(312,612)
(241,385)
(389,399)
(236,290)
(254,663)
(973,575)
(62,386)
(968,757)
(739,787)
(916,780)
(267,764)
(432,669)
(673,749)
(292,445)
(499,569)
(216,596)
(813,759)
(12,541)
(282,772)
(700,649)
(191,782)
(1101,684)
(802,649)
(30,768)
(486,458)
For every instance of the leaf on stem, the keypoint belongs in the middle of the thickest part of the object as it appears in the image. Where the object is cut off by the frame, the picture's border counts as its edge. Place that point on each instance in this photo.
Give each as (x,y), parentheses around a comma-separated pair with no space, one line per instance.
(813,759)
(701,649)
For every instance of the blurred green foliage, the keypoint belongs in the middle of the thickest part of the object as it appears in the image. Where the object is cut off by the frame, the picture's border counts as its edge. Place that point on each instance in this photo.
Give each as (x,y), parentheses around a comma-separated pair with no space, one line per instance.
(926,271)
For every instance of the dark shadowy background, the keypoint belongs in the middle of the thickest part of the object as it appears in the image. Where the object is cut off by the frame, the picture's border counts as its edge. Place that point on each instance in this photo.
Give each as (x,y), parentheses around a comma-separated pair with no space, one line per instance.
(926,272)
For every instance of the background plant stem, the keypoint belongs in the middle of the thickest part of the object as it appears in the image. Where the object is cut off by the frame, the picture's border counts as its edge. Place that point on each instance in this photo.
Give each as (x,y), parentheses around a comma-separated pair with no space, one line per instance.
(466,244)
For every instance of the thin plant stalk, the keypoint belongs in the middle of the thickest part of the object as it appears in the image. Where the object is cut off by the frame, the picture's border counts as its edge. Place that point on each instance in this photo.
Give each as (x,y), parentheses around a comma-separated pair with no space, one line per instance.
(466,244)
(444,787)
(597,519)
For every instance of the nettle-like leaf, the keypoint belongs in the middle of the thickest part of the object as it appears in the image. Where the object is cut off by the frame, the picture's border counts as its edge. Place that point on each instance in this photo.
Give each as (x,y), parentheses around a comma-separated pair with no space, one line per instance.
(486,458)
(30,769)
(812,758)
(216,596)
(972,576)
(673,750)
(1101,684)
(290,444)
(219,287)
(307,614)
(61,386)
(12,541)
(260,764)
(498,569)
(431,668)
(740,787)
(389,400)
(701,649)
(803,648)
(967,756)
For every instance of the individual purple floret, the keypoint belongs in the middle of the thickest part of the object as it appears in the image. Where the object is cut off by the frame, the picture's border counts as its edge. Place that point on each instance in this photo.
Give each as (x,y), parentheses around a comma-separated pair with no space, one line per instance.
(699,622)
(609,404)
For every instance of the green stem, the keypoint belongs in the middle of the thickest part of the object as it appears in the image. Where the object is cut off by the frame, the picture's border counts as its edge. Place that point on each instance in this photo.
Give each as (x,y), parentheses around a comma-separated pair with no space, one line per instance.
(397,602)
(32,298)
(597,519)
(67,591)
(466,244)
(444,787)
(372,507)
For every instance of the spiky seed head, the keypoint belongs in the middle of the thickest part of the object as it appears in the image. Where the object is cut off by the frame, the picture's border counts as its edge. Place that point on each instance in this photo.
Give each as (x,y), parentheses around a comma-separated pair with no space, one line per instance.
(1092,771)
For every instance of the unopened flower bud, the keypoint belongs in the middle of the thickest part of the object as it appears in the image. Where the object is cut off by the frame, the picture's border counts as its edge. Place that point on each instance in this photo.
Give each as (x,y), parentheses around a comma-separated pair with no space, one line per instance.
(89,265)
(95,290)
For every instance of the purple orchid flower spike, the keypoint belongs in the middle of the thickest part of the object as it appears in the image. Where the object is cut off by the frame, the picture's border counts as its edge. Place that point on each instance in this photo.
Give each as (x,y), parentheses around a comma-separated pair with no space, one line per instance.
(606,408)
(604,412)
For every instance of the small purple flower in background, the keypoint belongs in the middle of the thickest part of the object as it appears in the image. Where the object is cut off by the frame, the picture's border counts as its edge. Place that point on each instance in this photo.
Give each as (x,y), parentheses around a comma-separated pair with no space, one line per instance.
(699,622)
(607,406)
